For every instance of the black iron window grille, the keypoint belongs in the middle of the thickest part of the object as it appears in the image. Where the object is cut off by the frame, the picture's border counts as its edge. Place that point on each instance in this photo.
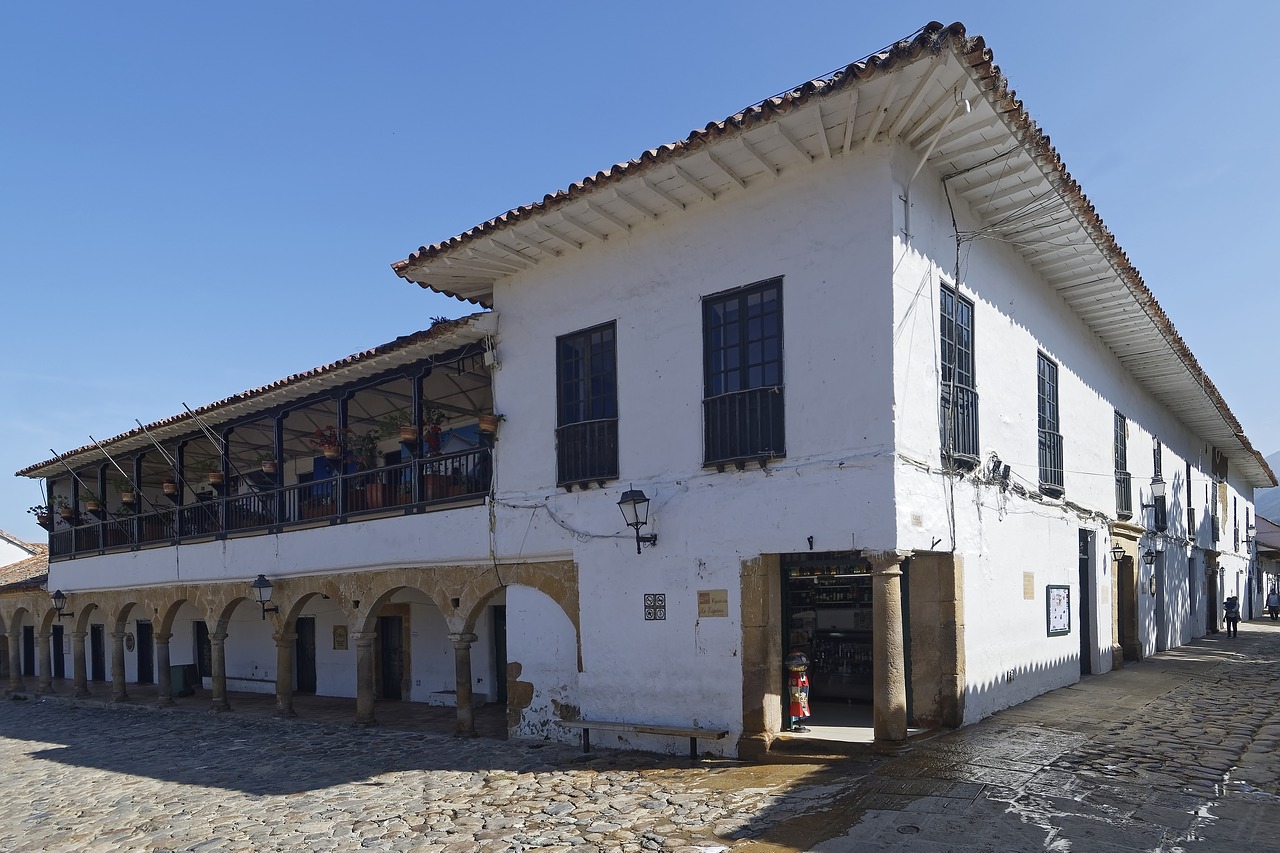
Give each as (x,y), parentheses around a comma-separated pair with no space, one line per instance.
(1124,486)
(587,407)
(1050,439)
(743,393)
(958,406)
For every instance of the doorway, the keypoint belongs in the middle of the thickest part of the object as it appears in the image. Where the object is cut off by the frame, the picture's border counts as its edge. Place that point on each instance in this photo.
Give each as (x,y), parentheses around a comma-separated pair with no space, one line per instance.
(59,656)
(146,659)
(28,650)
(1086,603)
(304,664)
(1128,607)
(97,653)
(1211,599)
(391,656)
(204,649)
(826,616)
(500,650)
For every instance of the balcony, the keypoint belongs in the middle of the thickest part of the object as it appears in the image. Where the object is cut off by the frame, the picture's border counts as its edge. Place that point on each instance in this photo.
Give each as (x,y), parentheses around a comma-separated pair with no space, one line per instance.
(744,426)
(1051,479)
(587,452)
(262,506)
(960,425)
(1124,495)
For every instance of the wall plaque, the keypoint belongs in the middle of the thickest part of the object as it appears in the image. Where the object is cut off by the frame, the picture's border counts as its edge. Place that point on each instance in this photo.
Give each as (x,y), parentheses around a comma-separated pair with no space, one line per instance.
(340,638)
(655,606)
(713,602)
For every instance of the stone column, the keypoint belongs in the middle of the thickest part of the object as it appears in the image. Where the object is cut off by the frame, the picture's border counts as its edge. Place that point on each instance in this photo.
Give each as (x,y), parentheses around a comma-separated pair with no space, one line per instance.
(364,677)
(164,682)
(889,681)
(462,670)
(118,691)
(15,662)
(44,684)
(80,678)
(219,674)
(284,674)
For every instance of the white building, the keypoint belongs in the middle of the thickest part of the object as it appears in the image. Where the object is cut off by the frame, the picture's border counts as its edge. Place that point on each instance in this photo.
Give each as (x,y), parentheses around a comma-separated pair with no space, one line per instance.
(895,394)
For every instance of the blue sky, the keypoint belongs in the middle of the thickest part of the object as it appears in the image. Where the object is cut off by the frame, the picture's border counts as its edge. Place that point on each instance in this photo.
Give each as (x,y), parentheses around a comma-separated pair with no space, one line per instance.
(196,199)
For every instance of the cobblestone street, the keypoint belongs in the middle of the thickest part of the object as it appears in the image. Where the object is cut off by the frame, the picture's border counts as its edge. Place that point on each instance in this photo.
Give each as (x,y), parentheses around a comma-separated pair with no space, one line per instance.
(1176,753)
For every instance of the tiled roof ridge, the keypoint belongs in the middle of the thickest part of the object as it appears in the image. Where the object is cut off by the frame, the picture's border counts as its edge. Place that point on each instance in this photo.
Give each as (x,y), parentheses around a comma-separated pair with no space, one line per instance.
(437,328)
(933,38)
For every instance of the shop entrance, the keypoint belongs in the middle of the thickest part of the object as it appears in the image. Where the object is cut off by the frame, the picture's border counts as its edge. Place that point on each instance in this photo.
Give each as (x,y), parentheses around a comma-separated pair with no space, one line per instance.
(826,601)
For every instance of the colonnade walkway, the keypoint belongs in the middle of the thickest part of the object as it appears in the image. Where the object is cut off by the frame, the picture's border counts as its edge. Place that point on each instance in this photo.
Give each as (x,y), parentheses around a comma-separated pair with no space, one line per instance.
(490,718)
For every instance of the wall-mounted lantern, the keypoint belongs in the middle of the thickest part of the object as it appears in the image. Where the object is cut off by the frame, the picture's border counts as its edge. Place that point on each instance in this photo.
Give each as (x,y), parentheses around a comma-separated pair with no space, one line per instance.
(1117,553)
(635,509)
(1157,492)
(60,603)
(262,587)
(1149,557)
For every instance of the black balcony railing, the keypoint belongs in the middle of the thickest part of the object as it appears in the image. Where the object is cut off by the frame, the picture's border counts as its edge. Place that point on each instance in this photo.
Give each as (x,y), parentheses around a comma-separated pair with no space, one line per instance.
(1213,528)
(1124,495)
(406,488)
(960,423)
(744,425)
(1051,479)
(587,452)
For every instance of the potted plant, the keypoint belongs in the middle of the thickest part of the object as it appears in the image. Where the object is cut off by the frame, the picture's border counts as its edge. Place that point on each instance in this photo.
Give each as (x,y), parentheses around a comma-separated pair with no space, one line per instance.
(364,447)
(42,516)
(489,423)
(211,467)
(328,440)
(92,503)
(124,489)
(63,506)
(268,463)
(170,486)
(399,423)
(433,420)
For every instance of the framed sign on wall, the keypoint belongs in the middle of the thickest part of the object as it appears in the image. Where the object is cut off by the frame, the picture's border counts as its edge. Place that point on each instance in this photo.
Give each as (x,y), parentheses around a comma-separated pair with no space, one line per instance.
(1059,609)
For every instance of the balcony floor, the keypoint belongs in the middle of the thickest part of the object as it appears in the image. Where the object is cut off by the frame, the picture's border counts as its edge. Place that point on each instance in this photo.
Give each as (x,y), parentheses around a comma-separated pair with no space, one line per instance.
(490,718)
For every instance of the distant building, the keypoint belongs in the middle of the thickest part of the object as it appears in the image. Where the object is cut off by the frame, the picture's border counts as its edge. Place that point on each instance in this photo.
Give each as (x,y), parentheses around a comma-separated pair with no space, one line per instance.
(875,377)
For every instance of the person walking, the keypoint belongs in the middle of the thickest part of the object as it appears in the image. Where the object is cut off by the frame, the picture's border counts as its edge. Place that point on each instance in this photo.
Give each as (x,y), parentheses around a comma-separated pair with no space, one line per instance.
(1231,615)
(1273,604)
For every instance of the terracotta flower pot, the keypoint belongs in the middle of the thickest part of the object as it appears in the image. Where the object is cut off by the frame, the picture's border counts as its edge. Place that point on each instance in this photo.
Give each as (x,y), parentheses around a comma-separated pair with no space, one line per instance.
(66,511)
(215,478)
(408,434)
(92,506)
(169,488)
(332,452)
(126,497)
(269,466)
(488,424)
(43,521)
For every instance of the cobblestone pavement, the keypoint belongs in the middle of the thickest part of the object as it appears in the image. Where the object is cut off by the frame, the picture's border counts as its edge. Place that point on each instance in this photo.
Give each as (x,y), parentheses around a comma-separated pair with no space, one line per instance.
(1176,753)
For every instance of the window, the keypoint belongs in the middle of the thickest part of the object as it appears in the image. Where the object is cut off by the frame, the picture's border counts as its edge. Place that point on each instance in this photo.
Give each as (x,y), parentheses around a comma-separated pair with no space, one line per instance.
(587,407)
(1050,440)
(958,407)
(1124,485)
(742,402)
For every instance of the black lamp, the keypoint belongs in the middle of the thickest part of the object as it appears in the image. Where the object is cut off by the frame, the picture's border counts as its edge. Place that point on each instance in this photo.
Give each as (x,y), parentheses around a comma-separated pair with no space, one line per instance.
(1149,557)
(1157,492)
(635,509)
(262,587)
(1117,553)
(59,603)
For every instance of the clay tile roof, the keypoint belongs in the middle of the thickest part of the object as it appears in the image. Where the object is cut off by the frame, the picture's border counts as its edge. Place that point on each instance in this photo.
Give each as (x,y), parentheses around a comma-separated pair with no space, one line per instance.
(28,574)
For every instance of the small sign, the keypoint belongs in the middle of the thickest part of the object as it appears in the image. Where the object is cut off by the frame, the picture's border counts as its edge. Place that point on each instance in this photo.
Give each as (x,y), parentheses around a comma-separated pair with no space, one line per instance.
(713,602)
(128,641)
(1029,586)
(1059,605)
(340,638)
(655,606)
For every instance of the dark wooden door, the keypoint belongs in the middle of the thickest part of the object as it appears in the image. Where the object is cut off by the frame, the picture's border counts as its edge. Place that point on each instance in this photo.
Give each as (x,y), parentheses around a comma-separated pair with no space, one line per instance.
(146,654)
(1086,613)
(391,655)
(500,649)
(97,653)
(28,650)
(204,649)
(304,664)
(59,658)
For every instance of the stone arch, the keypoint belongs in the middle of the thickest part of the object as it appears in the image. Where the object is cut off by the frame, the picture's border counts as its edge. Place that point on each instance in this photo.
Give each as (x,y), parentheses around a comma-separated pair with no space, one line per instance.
(366,618)
(84,612)
(120,621)
(558,581)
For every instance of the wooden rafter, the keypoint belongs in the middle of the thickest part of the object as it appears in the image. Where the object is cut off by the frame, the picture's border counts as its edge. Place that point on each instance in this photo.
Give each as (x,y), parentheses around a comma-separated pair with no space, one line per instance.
(585,229)
(661,193)
(853,116)
(822,129)
(725,170)
(769,168)
(882,110)
(794,143)
(913,100)
(693,182)
(634,205)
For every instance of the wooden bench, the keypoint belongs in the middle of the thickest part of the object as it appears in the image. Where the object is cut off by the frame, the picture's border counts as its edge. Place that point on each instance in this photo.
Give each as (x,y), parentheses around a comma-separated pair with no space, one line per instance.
(692,733)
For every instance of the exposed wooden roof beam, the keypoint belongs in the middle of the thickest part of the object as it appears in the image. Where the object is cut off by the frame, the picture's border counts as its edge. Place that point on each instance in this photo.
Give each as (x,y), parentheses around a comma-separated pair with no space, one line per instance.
(661,193)
(822,130)
(630,202)
(927,121)
(513,250)
(795,144)
(883,109)
(694,182)
(585,229)
(514,264)
(964,131)
(606,215)
(913,100)
(725,170)
(1006,193)
(770,169)
(546,229)
(853,116)
(469,260)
